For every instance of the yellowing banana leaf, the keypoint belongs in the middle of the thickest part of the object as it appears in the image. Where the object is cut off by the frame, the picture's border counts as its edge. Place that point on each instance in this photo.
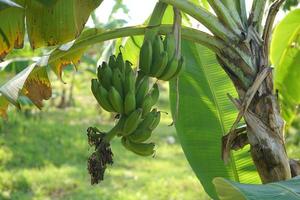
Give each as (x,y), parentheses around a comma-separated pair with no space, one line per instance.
(73,57)
(48,23)
(32,82)
(203,114)
(283,190)
(37,86)
(53,25)
(285,56)
(3,106)
(12,29)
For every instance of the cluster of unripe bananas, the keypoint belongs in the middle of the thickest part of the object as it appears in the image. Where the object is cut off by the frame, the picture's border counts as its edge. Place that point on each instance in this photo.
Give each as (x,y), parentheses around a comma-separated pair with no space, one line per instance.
(158,58)
(118,89)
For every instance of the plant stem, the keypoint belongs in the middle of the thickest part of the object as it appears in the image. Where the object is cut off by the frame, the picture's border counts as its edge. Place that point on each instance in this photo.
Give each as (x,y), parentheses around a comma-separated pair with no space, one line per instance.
(256,14)
(155,21)
(114,131)
(224,16)
(100,36)
(232,7)
(241,7)
(206,18)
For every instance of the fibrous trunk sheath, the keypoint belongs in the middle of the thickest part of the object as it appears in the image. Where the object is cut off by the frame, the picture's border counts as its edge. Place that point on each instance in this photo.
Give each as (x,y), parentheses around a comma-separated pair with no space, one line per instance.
(259,108)
(265,135)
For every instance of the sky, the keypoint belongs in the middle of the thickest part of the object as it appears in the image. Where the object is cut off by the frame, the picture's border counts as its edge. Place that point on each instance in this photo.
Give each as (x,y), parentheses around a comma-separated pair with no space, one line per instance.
(139,10)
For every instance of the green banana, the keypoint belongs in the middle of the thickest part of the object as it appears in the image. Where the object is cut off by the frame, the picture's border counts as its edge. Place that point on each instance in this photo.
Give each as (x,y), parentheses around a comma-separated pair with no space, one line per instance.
(104,75)
(140,76)
(120,63)
(130,82)
(115,100)
(154,93)
(117,81)
(142,149)
(129,103)
(101,95)
(160,64)
(112,62)
(169,71)
(147,105)
(155,121)
(121,122)
(140,135)
(142,90)
(181,66)
(128,68)
(170,45)
(146,57)
(132,122)
(157,48)
(148,120)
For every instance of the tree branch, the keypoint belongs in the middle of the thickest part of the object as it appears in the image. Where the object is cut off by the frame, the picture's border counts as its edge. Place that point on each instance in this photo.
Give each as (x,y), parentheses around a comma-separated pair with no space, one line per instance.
(206,18)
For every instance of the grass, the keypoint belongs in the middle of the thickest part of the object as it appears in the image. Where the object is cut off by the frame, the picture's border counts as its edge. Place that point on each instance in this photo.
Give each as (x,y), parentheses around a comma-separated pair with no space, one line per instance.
(44,157)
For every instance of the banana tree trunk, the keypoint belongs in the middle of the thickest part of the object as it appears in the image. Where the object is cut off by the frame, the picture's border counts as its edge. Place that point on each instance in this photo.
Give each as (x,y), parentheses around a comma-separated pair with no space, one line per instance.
(265,134)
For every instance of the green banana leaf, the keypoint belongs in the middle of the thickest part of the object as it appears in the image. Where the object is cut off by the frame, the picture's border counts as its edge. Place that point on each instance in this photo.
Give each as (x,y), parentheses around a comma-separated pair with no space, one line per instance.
(285,56)
(47,2)
(203,114)
(283,190)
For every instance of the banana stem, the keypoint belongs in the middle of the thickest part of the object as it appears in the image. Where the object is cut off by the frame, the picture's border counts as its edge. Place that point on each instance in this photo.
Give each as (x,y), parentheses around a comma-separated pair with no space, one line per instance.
(206,18)
(155,20)
(224,15)
(232,7)
(256,13)
(113,132)
(187,33)
(177,31)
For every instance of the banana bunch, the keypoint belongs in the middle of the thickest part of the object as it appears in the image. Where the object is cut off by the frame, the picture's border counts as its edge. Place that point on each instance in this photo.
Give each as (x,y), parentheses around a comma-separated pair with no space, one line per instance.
(157,58)
(118,89)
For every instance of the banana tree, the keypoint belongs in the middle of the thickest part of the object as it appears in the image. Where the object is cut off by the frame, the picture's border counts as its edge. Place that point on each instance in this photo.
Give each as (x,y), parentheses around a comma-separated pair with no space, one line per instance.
(224,100)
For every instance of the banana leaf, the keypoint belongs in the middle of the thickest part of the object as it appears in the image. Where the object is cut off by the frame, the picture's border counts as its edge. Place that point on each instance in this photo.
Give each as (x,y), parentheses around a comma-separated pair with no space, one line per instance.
(203,114)
(49,23)
(283,190)
(285,56)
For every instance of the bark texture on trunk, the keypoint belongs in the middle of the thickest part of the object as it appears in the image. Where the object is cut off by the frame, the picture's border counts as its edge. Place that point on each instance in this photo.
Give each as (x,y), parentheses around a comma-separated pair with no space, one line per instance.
(258,103)
(265,135)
